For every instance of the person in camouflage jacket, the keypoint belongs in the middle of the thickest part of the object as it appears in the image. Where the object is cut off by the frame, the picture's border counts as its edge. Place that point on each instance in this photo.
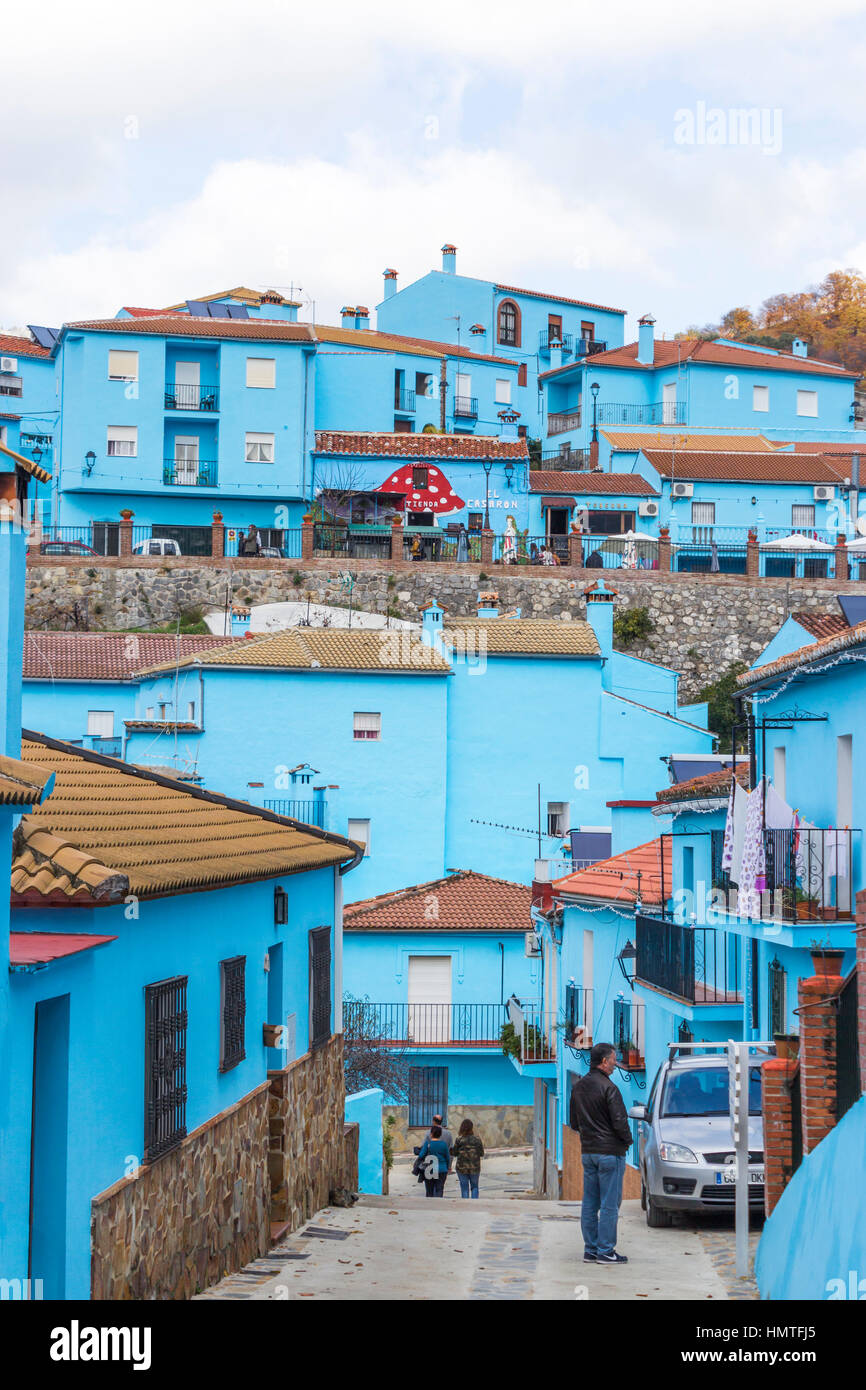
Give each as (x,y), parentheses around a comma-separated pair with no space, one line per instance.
(468,1152)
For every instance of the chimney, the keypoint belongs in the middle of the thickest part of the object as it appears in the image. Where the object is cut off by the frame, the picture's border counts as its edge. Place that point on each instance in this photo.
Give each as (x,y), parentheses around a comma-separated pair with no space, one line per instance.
(799,348)
(347,316)
(508,425)
(488,604)
(599,615)
(449,259)
(362,316)
(645,340)
(432,618)
(390,282)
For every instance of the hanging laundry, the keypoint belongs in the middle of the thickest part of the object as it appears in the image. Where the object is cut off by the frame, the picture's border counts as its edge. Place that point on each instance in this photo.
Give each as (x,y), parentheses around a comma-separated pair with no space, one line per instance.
(741,806)
(753,867)
(728,842)
(778,815)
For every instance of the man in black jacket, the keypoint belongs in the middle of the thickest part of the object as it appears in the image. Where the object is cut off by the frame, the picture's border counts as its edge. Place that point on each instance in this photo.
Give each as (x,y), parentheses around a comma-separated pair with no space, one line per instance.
(598,1113)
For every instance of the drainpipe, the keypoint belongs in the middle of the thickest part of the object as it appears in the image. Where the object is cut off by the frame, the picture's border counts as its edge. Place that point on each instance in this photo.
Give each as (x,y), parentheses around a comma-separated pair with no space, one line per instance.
(443,388)
(338,951)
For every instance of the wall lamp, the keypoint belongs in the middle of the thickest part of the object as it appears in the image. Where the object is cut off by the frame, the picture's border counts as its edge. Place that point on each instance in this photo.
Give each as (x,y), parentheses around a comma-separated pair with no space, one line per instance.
(627,958)
(281,907)
(89,461)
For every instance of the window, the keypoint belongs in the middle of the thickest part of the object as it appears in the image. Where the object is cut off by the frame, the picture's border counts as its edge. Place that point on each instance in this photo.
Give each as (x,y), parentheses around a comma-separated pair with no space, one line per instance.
(259,447)
(165,1090)
(587,330)
(780,771)
(428,1095)
(807,402)
(320,986)
(420,477)
(503,391)
(359,831)
(558,815)
(262,371)
(123,441)
(776,997)
(122,366)
(366,725)
(233,1009)
(802,515)
(11,385)
(761,398)
(423,384)
(100,723)
(148,713)
(475,521)
(508,324)
(190,711)
(612,523)
(703,513)
(521,374)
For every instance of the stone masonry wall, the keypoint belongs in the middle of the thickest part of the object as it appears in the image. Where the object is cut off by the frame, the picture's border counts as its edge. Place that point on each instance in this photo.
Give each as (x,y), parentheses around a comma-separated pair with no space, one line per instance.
(702,623)
(500,1126)
(309,1152)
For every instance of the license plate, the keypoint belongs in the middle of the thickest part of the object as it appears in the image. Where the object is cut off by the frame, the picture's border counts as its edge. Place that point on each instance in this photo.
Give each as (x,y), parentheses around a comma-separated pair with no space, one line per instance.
(730,1175)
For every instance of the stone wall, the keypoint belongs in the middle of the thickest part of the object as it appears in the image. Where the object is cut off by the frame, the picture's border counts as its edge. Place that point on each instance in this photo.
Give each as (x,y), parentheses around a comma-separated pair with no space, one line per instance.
(500,1126)
(308,1155)
(177,1225)
(702,623)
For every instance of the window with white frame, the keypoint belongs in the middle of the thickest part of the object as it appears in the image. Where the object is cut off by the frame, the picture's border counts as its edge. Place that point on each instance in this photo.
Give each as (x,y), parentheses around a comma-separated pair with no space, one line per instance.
(262,371)
(761,398)
(503,391)
(366,724)
(703,513)
(259,447)
(100,723)
(359,831)
(558,815)
(802,515)
(123,441)
(122,365)
(190,711)
(807,403)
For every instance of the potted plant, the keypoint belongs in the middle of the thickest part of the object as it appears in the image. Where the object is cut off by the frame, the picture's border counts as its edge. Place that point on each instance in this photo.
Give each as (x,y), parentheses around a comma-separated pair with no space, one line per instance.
(807,907)
(826,959)
(787,1045)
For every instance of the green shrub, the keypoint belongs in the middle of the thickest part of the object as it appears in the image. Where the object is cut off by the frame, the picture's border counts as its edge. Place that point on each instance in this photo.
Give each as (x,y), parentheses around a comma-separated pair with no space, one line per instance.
(631,625)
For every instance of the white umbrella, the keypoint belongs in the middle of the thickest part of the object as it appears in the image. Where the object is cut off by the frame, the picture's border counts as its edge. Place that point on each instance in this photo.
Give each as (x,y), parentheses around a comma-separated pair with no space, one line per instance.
(858,543)
(796,542)
(629,537)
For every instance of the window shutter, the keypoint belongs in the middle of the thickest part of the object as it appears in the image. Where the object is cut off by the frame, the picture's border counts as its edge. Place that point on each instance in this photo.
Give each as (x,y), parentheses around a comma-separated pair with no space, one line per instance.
(320,986)
(122,365)
(165,1089)
(261,371)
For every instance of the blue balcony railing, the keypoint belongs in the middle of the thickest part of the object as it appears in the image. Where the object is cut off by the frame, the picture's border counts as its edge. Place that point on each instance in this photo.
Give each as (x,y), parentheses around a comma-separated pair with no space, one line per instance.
(180,472)
(627,413)
(588,347)
(310,811)
(182,396)
(551,337)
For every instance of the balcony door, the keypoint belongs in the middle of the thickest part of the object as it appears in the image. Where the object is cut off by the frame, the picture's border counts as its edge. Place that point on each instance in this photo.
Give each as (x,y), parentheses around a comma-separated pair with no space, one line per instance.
(429,999)
(669,403)
(186,459)
(187,385)
(463,393)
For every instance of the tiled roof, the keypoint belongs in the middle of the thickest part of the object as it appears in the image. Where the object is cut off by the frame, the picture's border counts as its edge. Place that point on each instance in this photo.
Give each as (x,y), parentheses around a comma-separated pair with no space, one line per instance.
(669,351)
(616,879)
(397,342)
(580,484)
(464,901)
(820,624)
(708,784)
(105,656)
(749,468)
(20,783)
(806,446)
(109,829)
(185,326)
(804,656)
(520,636)
(241,292)
(559,298)
(26,465)
(13,346)
(624,441)
(42,947)
(137,313)
(326,649)
(456,446)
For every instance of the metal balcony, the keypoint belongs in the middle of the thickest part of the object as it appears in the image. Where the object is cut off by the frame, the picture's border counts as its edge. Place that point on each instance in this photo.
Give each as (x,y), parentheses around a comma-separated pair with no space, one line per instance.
(427,1025)
(588,347)
(182,396)
(628,413)
(697,964)
(549,338)
(180,472)
(311,811)
(466,406)
(558,421)
(404,402)
(809,875)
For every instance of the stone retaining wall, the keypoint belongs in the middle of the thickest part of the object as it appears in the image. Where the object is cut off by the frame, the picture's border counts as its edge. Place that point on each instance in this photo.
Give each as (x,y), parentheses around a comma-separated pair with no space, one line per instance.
(308,1154)
(702,623)
(500,1126)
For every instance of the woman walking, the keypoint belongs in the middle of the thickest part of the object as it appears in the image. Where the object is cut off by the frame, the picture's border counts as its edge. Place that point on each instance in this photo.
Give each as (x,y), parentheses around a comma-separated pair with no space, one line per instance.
(468,1152)
(434,1160)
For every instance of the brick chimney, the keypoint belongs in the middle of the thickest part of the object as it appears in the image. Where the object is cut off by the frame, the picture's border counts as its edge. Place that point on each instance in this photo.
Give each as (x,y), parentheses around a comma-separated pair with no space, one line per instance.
(449,259)
(645,339)
(390,277)
(347,316)
(508,423)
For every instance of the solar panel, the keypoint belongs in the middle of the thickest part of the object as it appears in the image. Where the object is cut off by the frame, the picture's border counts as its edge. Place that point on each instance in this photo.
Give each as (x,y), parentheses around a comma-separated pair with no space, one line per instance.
(45,337)
(853,608)
(238,311)
(219,311)
(197,308)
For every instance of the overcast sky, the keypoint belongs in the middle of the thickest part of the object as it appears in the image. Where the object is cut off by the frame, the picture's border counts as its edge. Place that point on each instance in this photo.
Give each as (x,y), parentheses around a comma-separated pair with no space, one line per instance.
(163,151)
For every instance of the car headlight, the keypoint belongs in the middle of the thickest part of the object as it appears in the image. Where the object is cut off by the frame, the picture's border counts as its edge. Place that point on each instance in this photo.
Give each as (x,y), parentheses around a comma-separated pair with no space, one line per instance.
(676,1153)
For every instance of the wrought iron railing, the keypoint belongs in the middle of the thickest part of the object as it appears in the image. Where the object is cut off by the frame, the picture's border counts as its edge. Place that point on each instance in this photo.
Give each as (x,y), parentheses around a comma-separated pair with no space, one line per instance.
(796,1120)
(629,413)
(181,472)
(808,878)
(535,1031)
(466,406)
(554,337)
(578,1016)
(558,421)
(628,1034)
(312,812)
(111,747)
(186,396)
(405,401)
(588,347)
(568,460)
(530,550)
(429,1025)
(698,964)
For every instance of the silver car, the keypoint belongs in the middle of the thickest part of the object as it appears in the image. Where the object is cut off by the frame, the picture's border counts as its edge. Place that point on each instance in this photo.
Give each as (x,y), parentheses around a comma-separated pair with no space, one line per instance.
(686,1146)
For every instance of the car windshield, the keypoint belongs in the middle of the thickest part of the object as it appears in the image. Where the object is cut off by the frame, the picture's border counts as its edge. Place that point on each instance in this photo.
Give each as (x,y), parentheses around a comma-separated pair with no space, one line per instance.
(704,1091)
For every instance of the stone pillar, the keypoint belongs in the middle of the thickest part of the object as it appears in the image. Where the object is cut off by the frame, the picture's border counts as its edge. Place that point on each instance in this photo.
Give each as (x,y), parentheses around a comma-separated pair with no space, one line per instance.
(217,537)
(308,529)
(776,1078)
(486,546)
(861,982)
(125,530)
(817,1010)
(396,539)
(841,557)
(575,548)
(593,453)
(664,549)
(753,555)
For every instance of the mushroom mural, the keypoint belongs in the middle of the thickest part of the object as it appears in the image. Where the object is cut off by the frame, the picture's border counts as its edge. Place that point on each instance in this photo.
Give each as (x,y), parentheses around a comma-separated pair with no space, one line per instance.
(438,496)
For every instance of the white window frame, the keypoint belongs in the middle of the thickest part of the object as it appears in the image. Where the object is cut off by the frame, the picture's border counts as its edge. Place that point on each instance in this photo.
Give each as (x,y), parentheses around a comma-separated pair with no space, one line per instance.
(558,815)
(503,391)
(190,711)
(761,399)
(125,436)
(366,724)
(256,446)
(359,831)
(100,723)
(807,398)
(703,513)
(262,373)
(122,364)
(809,522)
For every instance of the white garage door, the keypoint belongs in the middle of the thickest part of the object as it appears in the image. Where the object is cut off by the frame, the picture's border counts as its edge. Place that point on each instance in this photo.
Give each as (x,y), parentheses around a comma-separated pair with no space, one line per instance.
(430,999)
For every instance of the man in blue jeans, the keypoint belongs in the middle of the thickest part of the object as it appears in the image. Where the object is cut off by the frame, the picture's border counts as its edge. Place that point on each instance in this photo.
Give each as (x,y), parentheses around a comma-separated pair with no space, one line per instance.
(598,1113)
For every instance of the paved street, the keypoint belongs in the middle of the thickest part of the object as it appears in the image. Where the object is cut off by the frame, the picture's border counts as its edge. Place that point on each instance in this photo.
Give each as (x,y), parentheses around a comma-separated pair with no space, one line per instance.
(506,1245)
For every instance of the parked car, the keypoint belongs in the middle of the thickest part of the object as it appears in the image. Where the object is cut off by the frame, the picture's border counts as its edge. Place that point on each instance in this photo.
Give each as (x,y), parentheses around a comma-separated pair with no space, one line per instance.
(157,545)
(66,548)
(686,1146)
(271,552)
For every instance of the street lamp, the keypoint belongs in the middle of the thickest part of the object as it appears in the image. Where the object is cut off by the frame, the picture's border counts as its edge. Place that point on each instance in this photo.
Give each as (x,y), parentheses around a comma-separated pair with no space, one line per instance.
(509,473)
(626,958)
(487,467)
(89,461)
(594,388)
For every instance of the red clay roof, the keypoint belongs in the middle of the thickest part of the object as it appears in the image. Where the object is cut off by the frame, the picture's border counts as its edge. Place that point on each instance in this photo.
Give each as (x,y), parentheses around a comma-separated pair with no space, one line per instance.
(42,947)
(396,342)
(137,313)
(578,484)
(616,879)
(464,901)
(804,656)
(21,347)
(185,326)
(667,352)
(737,467)
(456,446)
(707,784)
(806,446)
(105,656)
(820,624)
(559,298)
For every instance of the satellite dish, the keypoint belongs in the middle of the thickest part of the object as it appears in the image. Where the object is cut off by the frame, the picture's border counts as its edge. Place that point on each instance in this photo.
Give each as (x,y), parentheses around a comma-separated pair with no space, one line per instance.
(861,525)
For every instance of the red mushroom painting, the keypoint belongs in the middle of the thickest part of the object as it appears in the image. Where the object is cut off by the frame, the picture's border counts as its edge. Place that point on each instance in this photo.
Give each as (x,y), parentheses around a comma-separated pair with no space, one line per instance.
(437,495)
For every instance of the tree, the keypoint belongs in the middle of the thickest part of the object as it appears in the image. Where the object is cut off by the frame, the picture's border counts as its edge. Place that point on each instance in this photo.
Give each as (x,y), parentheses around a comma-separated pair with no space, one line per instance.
(720,699)
(368,1059)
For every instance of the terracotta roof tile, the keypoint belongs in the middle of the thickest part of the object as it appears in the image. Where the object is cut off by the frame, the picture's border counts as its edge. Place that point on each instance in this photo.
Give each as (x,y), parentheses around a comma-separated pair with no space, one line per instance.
(397,342)
(738,467)
(185,326)
(624,440)
(820,624)
(669,351)
(558,298)
(14,346)
(327,649)
(804,656)
(456,446)
(707,784)
(586,484)
(826,447)
(464,901)
(21,784)
(616,879)
(105,656)
(520,636)
(108,829)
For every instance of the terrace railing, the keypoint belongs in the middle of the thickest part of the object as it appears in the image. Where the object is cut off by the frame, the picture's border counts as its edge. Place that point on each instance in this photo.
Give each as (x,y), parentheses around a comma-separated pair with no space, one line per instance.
(568,460)
(182,396)
(809,874)
(430,1025)
(311,811)
(588,347)
(536,1031)
(698,964)
(629,413)
(550,337)
(404,401)
(183,472)
(466,406)
(558,421)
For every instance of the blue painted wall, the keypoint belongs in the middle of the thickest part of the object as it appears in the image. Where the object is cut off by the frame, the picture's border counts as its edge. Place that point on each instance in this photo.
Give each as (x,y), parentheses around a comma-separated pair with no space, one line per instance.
(364,1108)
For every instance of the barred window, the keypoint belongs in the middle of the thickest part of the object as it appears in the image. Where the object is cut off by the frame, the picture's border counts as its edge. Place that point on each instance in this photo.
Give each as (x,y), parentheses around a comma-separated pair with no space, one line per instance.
(320,986)
(233,1009)
(509,324)
(165,1090)
(428,1095)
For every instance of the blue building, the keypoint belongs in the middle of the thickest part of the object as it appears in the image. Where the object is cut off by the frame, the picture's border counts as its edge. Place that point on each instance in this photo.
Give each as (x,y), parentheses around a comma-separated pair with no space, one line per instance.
(602,505)
(30,407)
(428,970)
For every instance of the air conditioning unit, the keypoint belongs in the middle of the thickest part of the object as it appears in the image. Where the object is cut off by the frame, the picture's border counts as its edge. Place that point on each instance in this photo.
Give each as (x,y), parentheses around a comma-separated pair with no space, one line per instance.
(683,489)
(648,509)
(823,493)
(531,944)
(8,364)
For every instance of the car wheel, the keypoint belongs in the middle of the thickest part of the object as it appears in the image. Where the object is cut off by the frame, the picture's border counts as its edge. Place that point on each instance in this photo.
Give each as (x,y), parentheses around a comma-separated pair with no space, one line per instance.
(656,1217)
